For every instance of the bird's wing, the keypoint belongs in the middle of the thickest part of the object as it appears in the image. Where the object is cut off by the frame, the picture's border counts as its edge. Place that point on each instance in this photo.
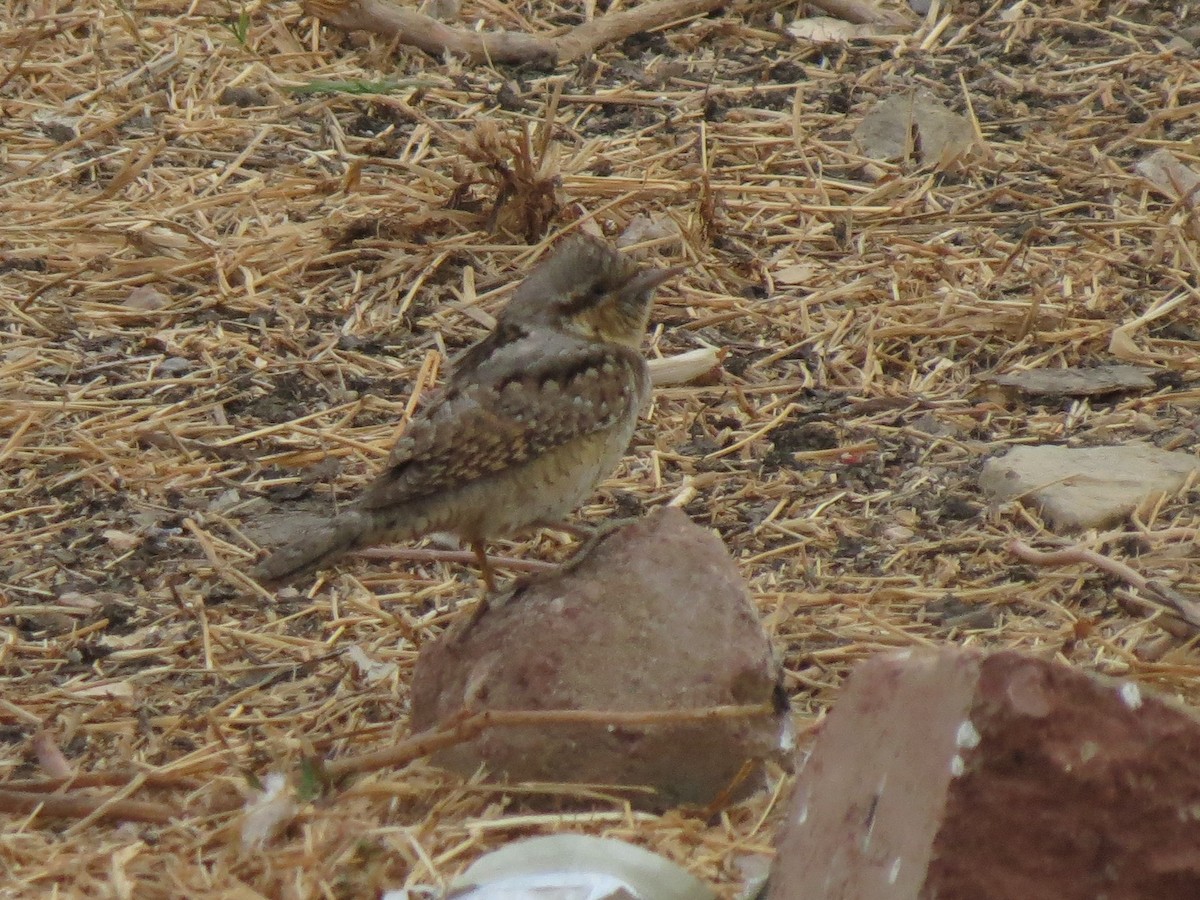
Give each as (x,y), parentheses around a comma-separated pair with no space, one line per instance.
(528,396)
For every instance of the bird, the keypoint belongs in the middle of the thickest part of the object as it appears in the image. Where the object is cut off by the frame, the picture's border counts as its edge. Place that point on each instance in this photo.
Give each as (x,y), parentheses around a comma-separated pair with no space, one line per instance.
(530,420)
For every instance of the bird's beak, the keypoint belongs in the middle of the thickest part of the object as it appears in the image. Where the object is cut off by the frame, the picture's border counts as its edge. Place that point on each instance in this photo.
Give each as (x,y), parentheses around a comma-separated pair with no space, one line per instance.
(646,281)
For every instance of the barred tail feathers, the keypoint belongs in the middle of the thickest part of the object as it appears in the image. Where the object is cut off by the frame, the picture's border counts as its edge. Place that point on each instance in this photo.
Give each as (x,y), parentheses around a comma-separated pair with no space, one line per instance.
(319,545)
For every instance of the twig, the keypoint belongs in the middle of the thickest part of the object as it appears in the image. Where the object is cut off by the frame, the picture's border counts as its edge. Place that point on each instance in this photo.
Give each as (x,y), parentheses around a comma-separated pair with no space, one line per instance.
(436,38)
(1167,621)
(74,806)
(463,557)
(512,47)
(1186,609)
(34,793)
(109,778)
(468,725)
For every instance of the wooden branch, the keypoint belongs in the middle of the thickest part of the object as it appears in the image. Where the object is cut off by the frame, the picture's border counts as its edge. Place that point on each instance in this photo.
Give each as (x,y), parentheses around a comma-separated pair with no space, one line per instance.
(79,806)
(466,726)
(585,39)
(432,36)
(513,47)
(469,725)
(109,778)
(1172,603)
(462,557)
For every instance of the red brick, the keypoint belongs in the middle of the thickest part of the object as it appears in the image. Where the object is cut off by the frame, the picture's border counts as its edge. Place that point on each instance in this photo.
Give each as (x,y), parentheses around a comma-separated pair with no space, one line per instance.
(960,776)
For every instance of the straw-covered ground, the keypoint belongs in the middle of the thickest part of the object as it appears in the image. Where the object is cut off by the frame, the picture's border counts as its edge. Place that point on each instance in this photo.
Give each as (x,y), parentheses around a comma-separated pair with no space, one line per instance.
(236,244)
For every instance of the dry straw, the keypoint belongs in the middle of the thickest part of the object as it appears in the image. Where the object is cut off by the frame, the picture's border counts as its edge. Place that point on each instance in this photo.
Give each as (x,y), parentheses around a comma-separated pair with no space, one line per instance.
(235,245)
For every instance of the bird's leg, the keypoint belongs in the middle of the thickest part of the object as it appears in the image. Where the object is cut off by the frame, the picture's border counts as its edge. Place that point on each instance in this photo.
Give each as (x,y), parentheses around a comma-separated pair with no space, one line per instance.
(489,580)
(485,565)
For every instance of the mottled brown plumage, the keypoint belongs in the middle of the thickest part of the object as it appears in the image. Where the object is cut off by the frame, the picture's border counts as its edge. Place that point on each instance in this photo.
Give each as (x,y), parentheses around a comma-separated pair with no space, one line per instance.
(532,418)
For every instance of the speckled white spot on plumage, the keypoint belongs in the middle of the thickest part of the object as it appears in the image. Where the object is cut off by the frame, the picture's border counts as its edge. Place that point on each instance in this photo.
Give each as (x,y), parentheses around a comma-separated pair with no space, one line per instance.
(1131,694)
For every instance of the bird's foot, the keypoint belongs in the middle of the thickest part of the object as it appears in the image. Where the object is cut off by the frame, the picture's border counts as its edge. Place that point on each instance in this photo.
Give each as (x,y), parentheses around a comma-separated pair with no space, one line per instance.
(490,599)
(592,538)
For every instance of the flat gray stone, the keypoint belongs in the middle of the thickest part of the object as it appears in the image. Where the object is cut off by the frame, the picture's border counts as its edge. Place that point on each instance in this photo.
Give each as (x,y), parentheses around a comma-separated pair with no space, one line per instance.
(1086,487)
(1095,381)
(887,130)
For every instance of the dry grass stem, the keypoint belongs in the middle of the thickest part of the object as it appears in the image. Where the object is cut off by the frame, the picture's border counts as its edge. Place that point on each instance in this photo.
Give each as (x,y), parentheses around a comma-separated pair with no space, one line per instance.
(237,249)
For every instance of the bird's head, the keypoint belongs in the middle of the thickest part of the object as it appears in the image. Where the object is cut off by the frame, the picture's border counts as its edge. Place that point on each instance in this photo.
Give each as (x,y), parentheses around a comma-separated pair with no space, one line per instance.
(588,289)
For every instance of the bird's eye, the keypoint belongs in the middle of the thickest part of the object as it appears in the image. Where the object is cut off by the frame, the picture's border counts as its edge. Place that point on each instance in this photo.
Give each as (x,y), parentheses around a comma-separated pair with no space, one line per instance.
(587,297)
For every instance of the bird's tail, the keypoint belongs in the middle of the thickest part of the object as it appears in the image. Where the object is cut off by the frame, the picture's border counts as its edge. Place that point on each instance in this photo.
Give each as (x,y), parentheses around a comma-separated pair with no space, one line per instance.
(320,544)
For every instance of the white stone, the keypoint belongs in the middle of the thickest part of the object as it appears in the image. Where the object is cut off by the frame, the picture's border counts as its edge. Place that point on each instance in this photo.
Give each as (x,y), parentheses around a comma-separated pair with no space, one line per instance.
(1086,487)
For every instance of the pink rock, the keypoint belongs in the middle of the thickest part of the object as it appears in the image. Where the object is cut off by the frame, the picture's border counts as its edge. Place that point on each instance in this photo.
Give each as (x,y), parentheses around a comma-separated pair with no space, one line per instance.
(957,775)
(656,618)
